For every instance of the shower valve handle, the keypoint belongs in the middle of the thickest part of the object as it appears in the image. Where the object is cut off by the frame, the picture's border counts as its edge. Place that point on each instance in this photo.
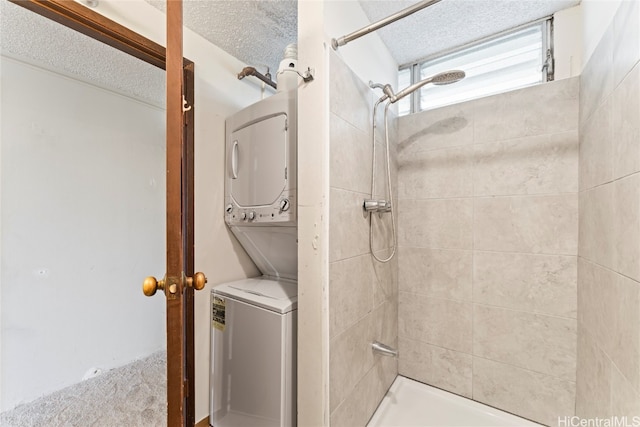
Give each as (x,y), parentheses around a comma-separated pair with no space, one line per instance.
(371,205)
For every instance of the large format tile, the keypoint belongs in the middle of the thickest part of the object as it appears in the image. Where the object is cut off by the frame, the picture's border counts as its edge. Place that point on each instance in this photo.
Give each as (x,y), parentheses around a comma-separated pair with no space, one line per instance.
(626,125)
(626,225)
(357,408)
(535,342)
(385,284)
(351,286)
(526,112)
(382,226)
(625,401)
(436,272)
(534,283)
(596,309)
(596,225)
(436,366)
(350,97)
(625,343)
(441,322)
(450,126)
(441,173)
(540,164)
(533,224)
(442,223)
(350,358)
(626,46)
(596,148)
(351,151)
(532,395)
(348,226)
(593,386)
(383,325)
(596,81)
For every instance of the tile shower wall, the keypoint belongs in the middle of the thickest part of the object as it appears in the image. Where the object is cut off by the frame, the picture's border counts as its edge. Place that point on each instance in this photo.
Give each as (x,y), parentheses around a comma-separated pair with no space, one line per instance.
(362,293)
(608,375)
(488,236)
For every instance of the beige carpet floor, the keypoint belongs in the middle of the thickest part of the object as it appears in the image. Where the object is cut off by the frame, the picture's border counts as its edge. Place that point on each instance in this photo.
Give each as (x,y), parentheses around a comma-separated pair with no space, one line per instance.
(133,395)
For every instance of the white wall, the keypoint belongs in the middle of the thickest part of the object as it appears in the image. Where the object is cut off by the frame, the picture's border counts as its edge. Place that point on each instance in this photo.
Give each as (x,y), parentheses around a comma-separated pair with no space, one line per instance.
(596,18)
(83,184)
(313,213)
(567,42)
(367,56)
(218,94)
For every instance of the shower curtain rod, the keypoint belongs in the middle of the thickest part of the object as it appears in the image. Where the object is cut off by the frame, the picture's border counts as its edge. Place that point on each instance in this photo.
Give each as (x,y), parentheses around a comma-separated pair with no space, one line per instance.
(335,43)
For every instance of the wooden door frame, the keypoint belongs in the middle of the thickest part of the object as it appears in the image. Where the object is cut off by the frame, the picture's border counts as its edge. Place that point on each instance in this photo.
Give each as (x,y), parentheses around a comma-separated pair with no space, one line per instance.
(180,183)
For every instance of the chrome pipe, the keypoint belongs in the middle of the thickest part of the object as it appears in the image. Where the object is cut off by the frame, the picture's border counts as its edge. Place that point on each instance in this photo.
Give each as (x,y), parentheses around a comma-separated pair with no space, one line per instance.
(335,43)
(383,349)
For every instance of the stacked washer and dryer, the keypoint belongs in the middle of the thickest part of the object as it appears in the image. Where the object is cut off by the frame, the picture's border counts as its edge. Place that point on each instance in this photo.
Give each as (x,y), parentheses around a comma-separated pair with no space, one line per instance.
(254,321)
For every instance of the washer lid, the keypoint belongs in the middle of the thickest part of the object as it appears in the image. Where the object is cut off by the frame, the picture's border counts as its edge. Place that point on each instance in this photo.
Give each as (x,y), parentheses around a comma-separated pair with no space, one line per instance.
(276,295)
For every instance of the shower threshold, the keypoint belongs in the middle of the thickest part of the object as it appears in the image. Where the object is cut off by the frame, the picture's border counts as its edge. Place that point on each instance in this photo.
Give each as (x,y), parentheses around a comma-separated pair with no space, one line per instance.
(410,403)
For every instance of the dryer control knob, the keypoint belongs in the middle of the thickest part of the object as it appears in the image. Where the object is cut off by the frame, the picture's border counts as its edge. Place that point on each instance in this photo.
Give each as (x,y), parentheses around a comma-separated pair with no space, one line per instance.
(284,205)
(243,215)
(229,208)
(252,216)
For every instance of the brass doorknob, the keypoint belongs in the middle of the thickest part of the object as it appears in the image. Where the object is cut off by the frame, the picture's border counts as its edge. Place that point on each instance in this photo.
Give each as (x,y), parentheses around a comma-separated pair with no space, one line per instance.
(197,282)
(151,285)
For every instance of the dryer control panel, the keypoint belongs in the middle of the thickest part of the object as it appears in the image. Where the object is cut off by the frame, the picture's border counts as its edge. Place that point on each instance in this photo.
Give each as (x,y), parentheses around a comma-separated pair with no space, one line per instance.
(284,211)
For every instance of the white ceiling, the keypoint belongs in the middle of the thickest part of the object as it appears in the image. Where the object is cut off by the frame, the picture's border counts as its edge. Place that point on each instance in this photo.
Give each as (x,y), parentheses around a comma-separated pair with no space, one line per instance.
(257,31)
(34,39)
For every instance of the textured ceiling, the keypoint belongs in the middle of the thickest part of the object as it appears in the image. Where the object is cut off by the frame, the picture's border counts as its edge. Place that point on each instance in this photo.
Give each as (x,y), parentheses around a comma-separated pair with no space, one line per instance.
(256,32)
(32,38)
(452,23)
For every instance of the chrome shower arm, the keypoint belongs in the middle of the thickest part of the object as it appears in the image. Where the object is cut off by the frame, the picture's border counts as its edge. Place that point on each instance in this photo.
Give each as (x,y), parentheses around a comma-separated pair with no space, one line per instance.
(406,91)
(335,43)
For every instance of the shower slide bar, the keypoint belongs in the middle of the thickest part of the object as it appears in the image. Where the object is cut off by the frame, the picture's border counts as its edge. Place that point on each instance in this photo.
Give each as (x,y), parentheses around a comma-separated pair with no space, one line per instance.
(335,43)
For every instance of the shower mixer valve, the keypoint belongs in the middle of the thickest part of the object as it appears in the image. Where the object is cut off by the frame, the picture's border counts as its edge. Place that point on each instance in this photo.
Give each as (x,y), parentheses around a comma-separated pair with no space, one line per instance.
(379,206)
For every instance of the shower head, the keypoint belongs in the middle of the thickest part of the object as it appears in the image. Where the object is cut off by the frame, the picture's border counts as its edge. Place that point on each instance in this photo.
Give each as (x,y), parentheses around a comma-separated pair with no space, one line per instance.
(448,77)
(444,78)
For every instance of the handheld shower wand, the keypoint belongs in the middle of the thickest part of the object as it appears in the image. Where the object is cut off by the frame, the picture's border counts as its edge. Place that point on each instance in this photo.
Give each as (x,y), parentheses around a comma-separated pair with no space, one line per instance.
(372,205)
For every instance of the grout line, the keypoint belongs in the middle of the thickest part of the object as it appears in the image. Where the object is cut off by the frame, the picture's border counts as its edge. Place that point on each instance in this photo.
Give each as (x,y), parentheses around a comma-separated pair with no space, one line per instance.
(475,356)
(494,196)
(484,250)
(612,181)
(484,304)
(609,269)
(524,369)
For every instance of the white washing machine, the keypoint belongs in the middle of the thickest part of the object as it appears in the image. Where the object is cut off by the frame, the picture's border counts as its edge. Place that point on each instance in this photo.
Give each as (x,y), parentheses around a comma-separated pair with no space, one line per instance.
(253,352)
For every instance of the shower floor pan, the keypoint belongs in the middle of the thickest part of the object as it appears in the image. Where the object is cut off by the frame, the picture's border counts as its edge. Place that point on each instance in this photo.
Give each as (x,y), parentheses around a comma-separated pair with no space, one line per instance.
(410,403)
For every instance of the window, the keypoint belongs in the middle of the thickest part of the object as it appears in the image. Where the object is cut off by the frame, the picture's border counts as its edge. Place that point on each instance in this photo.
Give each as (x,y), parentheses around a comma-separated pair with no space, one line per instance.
(509,61)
